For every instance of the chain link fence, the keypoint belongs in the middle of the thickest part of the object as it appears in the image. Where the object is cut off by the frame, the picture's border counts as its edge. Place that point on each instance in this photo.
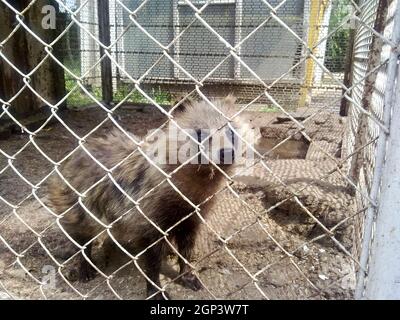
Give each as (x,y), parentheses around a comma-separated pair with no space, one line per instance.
(314,82)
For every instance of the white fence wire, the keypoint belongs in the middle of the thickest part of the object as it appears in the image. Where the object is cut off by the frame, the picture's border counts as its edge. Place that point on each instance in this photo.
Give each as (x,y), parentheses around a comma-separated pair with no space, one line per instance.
(256,243)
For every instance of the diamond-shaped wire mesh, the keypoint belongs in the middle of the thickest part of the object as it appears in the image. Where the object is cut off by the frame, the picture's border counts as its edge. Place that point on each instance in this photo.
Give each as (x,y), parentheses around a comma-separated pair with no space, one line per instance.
(79,185)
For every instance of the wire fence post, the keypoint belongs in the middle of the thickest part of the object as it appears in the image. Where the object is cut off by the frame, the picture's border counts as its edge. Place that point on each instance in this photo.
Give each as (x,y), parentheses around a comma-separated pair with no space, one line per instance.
(384,273)
(104,36)
(380,250)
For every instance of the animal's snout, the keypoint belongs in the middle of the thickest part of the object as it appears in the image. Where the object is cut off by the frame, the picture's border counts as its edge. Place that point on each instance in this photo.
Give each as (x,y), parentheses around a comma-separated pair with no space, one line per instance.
(226,156)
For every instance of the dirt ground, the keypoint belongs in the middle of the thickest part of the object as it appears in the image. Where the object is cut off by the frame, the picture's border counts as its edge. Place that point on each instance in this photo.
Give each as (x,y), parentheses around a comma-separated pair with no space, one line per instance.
(273,254)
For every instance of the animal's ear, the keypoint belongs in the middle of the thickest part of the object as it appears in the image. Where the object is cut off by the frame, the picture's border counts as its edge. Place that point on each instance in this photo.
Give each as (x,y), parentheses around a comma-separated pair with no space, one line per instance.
(180,103)
(179,107)
(228,105)
(230,100)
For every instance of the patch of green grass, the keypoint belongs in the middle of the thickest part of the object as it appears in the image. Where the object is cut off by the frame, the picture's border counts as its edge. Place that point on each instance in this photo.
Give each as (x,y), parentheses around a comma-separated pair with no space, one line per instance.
(125,91)
(79,98)
(134,96)
(160,96)
(337,44)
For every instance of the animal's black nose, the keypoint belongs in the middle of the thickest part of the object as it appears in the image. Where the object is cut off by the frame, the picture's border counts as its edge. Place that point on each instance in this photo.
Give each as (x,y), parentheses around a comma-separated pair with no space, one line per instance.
(226,156)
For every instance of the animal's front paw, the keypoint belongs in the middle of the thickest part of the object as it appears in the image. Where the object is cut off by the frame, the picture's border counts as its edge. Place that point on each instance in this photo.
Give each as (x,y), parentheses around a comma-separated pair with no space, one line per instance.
(189,280)
(86,272)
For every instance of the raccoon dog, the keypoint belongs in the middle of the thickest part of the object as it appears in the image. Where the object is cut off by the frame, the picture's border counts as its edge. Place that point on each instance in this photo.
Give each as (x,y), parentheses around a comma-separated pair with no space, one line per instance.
(164,185)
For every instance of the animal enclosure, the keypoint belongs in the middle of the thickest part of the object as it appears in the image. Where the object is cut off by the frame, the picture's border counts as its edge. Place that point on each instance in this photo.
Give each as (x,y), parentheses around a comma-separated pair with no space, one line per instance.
(307,217)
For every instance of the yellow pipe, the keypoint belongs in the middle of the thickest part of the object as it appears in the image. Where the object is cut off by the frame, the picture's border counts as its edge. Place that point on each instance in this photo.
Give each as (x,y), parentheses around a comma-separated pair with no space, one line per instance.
(317,11)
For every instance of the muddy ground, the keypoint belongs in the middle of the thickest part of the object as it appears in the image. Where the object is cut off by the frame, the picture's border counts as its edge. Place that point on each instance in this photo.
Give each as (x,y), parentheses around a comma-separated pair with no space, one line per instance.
(275,254)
